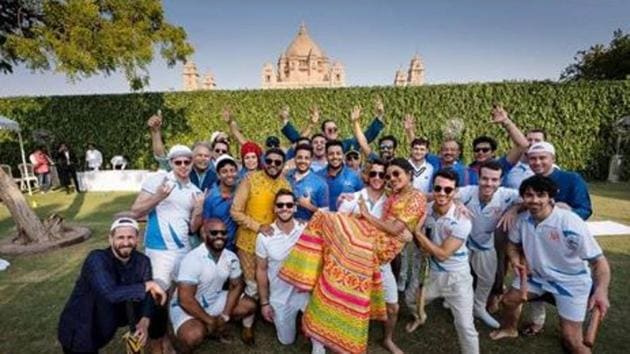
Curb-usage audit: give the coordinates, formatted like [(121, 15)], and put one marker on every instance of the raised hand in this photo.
[(226, 115), (198, 200), (379, 108), (355, 114), (499, 115), (314, 111), (155, 122), (165, 189), (284, 114)]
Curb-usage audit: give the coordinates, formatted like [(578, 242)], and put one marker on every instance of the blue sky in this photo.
[(459, 41)]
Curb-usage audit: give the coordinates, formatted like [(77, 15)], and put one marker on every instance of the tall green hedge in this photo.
[(578, 116)]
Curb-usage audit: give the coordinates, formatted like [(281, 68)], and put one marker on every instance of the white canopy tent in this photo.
[(8, 124)]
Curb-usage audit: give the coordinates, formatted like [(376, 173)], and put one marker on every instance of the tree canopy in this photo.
[(602, 63), (81, 38)]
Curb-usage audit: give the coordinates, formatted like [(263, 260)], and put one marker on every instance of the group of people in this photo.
[(335, 230)]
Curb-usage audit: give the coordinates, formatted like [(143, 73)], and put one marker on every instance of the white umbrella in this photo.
[(8, 124)]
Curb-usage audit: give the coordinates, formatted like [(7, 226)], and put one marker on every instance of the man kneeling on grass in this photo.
[(550, 246), (112, 291), (200, 306)]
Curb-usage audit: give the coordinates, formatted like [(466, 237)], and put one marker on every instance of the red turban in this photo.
[(251, 147)]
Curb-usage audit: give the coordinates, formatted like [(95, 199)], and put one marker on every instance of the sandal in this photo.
[(532, 330)]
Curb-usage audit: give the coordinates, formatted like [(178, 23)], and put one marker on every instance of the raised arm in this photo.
[(410, 127), (312, 122), (520, 143), (155, 125), (288, 129), (378, 123), (228, 118), (146, 201), (355, 118)]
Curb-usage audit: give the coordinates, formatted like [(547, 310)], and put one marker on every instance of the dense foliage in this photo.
[(601, 62), (577, 116)]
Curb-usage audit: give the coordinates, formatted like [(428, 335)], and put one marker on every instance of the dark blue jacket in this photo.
[(371, 133), (573, 190)]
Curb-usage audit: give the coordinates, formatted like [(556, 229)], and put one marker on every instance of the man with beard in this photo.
[(252, 209), (201, 307), (331, 132), (174, 206), (310, 190), (550, 247), (445, 241), (219, 198), (487, 202), (280, 302), (111, 281), (339, 178)]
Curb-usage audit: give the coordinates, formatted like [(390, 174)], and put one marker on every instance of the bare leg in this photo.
[(572, 336), (512, 306), (190, 335), (390, 325)]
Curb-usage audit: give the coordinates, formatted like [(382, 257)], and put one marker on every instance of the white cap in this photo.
[(542, 146), (215, 135), (223, 157), (124, 222), (178, 151)]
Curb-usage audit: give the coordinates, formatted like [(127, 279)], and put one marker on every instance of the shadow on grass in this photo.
[(620, 191)]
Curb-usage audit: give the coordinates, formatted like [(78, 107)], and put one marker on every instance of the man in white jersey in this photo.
[(552, 246), (487, 202), (445, 241), (174, 206), (521, 170), (280, 302), (200, 306)]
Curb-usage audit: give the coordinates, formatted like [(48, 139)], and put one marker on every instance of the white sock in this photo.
[(318, 348), (248, 321)]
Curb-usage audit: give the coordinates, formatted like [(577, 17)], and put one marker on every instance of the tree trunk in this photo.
[(30, 228)]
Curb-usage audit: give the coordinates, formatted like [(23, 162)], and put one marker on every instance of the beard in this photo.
[(213, 244), (124, 252)]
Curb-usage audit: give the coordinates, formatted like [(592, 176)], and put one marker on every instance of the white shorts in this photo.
[(178, 316), (390, 289), (165, 265), (570, 307)]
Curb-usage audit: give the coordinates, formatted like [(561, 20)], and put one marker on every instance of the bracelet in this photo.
[(225, 317), (264, 304)]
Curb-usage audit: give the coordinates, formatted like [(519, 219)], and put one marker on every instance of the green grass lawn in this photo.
[(34, 288)]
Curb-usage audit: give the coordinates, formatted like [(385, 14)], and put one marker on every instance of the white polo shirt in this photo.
[(422, 176), (168, 223), (439, 228), (557, 249), (352, 206), (486, 216), (275, 249), (517, 175), (199, 268)]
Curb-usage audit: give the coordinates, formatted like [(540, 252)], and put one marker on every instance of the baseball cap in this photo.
[(124, 222), (178, 151), (542, 146), (272, 142)]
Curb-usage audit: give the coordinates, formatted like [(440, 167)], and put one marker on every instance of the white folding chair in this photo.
[(7, 169), (27, 174)]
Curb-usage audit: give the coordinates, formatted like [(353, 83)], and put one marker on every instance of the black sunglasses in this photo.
[(274, 162), (288, 205), (181, 162), (352, 157), (482, 149), (331, 130), (220, 151), (217, 232), (394, 174), (373, 174), (447, 190), (387, 147)]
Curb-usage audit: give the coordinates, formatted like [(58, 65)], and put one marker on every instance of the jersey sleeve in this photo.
[(261, 250), (465, 194), (587, 246), (460, 229), (151, 184), (189, 271)]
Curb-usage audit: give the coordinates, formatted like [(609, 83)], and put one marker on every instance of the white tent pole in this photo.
[(25, 170)]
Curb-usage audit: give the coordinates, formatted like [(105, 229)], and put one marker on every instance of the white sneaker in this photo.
[(486, 318), (446, 305)]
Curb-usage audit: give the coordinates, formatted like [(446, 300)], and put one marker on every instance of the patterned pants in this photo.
[(248, 264)]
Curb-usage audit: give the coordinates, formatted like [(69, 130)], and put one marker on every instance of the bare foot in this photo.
[(493, 303), (392, 347), (503, 333), (417, 322)]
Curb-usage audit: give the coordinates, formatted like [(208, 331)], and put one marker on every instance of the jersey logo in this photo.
[(554, 236)]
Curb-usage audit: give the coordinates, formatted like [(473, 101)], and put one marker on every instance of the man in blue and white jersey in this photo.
[(201, 307), (445, 241), (552, 247), (487, 202)]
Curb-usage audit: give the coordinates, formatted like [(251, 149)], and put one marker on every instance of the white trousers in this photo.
[(484, 264), (456, 289)]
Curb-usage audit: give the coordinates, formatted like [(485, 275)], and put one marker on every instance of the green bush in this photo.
[(576, 116)]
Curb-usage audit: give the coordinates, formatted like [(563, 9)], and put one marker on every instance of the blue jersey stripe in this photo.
[(176, 239), (153, 235)]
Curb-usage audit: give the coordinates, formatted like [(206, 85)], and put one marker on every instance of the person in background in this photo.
[(119, 162), (41, 167), (251, 155), (353, 160), (339, 178), (93, 158), (66, 162)]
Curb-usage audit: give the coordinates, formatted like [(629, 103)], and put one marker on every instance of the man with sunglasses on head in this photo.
[(112, 281), (339, 178), (201, 307), (443, 236), (252, 209), (280, 301), (310, 190), (487, 202), (331, 132)]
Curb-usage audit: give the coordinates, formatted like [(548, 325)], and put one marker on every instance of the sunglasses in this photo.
[(217, 232), (181, 162), (352, 157), (273, 162), (373, 174), (220, 151), (387, 147), (394, 174), (331, 130), (288, 205), (483, 149), (447, 190)]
